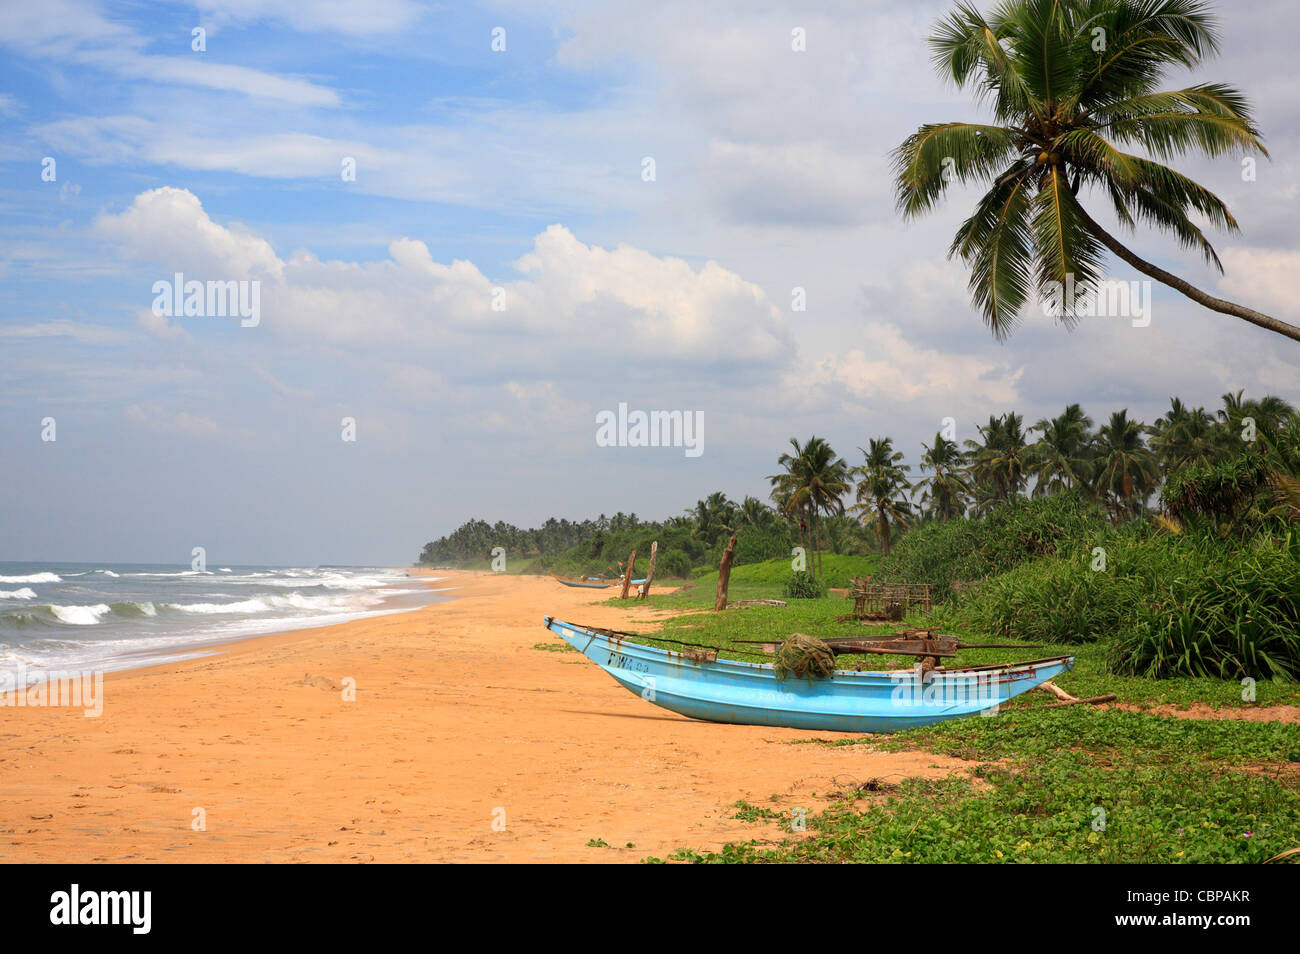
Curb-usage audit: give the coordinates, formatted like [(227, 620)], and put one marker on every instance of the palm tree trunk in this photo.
[(1192, 292), (884, 533), (816, 540)]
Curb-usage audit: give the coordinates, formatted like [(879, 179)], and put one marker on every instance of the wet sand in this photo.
[(462, 743)]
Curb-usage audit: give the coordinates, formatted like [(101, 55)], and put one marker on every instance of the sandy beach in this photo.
[(457, 723)]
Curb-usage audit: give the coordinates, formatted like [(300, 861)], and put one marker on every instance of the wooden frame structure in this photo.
[(889, 600)]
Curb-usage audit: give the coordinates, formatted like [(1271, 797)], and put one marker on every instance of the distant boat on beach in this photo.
[(592, 582)]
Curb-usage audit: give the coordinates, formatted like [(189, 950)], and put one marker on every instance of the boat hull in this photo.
[(591, 584), (585, 584), (742, 693)]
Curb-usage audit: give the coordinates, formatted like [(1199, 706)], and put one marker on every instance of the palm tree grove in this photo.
[(1019, 509)]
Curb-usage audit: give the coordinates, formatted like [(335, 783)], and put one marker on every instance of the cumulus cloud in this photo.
[(889, 368), (572, 294), (169, 226)]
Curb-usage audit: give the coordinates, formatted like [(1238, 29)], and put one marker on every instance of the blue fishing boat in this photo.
[(592, 582), (696, 683)]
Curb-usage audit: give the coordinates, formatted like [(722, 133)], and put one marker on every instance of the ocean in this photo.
[(105, 616)]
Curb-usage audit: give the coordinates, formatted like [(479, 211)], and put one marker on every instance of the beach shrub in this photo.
[(674, 563), (1222, 494), (946, 551), (1192, 604), (757, 544), (1233, 614), (803, 585)]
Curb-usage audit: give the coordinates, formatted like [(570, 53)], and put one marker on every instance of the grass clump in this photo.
[(802, 585)]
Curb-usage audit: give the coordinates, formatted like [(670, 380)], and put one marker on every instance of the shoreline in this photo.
[(461, 742), (199, 645)]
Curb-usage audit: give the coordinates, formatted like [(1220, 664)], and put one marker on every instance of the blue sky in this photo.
[(520, 170)]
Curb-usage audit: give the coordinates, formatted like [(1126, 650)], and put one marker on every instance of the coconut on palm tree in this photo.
[(1072, 85), (882, 494)]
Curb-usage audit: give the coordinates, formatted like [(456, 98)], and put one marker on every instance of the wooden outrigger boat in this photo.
[(592, 582), (698, 684)]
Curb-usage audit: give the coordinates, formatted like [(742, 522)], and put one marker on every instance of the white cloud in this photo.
[(160, 326), (573, 296), (83, 332), (169, 226), (317, 16), (1267, 280), (164, 420), (77, 31), (890, 369)]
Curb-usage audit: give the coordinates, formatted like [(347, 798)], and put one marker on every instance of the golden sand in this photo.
[(463, 743)]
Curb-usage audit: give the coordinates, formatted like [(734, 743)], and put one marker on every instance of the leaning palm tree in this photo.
[(944, 493), (882, 495), (1072, 84), (814, 481)]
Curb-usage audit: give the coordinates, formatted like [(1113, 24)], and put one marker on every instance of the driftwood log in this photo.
[(1069, 700)]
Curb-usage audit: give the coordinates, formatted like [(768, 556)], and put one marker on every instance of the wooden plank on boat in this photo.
[(848, 645)]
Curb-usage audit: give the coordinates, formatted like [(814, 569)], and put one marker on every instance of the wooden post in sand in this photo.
[(650, 573), (724, 574), (627, 577)]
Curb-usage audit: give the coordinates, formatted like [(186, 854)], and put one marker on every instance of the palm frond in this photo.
[(934, 155), (1067, 250)]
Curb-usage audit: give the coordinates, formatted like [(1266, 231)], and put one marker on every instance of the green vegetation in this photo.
[(1069, 785), (1092, 674), (803, 585), (1172, 790), (943, 552), (1046, 813)]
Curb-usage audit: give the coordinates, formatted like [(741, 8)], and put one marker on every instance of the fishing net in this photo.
[(802, 655)]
